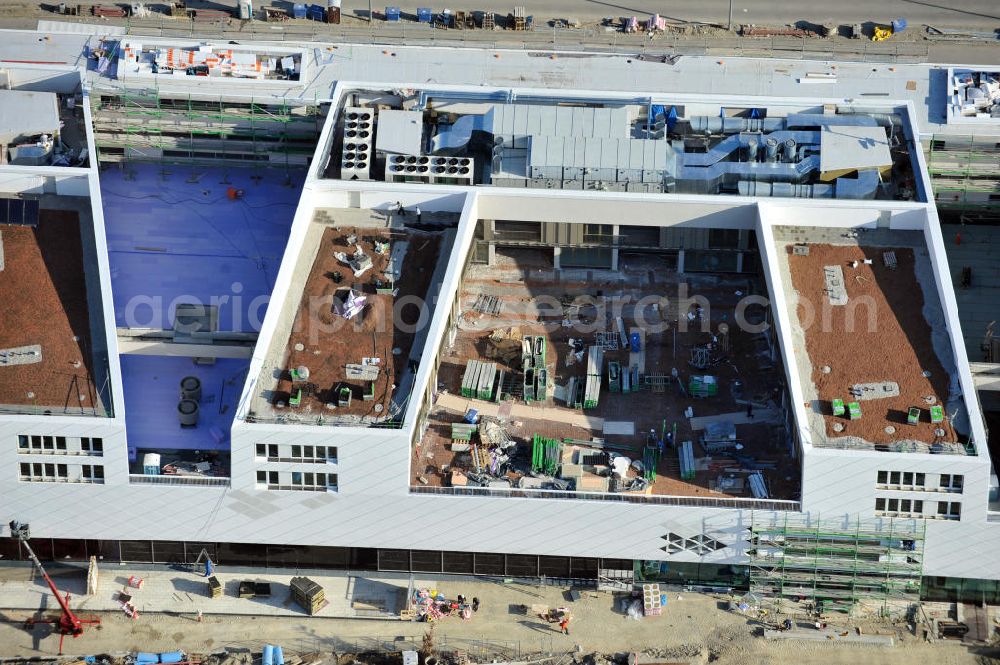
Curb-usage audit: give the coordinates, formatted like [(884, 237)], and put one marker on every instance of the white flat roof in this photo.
[(26, 113), (400, 132), (853, 148)]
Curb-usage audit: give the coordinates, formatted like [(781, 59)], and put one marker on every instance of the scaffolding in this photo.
[(145, 125), (836, 564), (965, 172)]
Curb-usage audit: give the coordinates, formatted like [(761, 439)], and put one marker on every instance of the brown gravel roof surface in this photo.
[(897, 348), (374, 334), (45, 302)]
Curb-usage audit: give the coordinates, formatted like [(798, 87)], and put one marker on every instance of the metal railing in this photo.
[(35, 410), (645, 499), (188, 481)]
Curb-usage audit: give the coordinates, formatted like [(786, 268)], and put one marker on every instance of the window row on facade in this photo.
[(297, 480), (918, 508), (282, 452), (919, 482), (50, 472), (44, 444)]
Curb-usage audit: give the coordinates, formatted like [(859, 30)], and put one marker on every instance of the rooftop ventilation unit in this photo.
[(424, 168), (359, 137)]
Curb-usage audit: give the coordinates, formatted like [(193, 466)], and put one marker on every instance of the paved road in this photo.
[(979, 14)]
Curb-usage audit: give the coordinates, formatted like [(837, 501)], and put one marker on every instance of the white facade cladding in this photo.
[(365, 499)]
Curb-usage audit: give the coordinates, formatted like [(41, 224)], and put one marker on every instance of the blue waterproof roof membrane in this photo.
[(193, 235)]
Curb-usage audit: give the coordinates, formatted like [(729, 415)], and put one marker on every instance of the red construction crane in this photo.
[(68, 623)]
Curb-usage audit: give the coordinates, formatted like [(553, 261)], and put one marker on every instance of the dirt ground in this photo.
[(46, 303), (694, 628), (648, 409), (898, 348), (331, 342)]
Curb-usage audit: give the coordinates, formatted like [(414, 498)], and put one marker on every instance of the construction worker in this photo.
[(564, 625)]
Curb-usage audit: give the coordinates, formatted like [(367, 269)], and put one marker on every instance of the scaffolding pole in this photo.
[(836, 564)]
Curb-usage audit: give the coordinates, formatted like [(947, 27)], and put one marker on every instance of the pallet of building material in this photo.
[(570, 394), (518, 20), (202, 15), (889, 259), (504, 344), (545, 455), (498, 386), (487, 375), (107, 11), (614, 377), (581, 388), (462, 431), (595, 361), (719, 430), (626, 379), (703, 386), (718, 446), (937, 414), (651, 596), (685, 455), (757, 485), (592, 392), (489, 21), (486, 304), (634, 379), (356, 372), (308, 594), (541, 384), (538, 352), (527, 352), (470, 380), (528, 385), (620, 327)]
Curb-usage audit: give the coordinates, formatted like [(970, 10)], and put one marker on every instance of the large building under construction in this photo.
[(585, 318)]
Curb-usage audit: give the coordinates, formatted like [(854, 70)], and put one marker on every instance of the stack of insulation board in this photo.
[(478, 379), (595, 361), (651, 600), (308, 594), (685, 455)]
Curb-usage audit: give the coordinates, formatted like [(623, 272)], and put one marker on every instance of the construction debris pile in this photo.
[(432, 605), (975, 95), (206, 60)]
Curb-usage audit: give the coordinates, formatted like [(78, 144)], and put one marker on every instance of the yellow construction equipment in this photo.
[(881, 34)]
